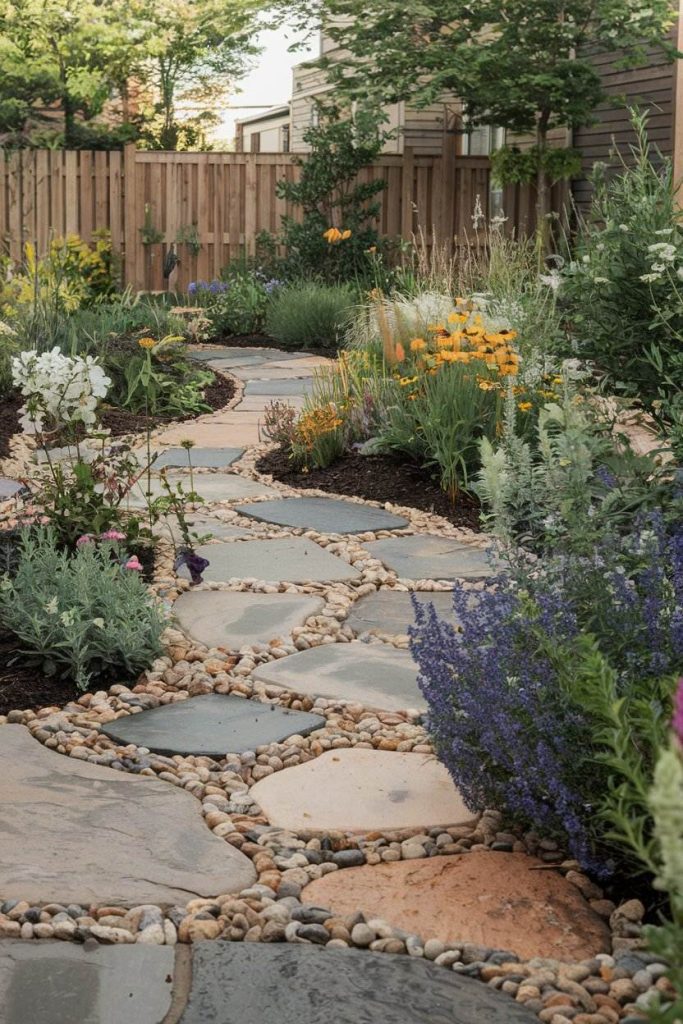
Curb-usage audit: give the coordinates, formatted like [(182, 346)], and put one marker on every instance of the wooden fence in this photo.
[(217, 202)]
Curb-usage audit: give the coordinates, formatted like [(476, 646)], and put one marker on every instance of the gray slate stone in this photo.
[(376, 675), (325, 515), (104, 836), (204, 458), (426, 557), (237, 355), (61, 983), (209, 486), (288, 387), (211, 725), (285, 560), (257, 983), (390, 612), (9, 488), (200, 526), (233, 619)]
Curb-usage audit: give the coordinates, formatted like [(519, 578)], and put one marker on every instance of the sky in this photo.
[(269, 84)]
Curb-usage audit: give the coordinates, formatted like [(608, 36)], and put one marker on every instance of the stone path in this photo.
[(181, 808)]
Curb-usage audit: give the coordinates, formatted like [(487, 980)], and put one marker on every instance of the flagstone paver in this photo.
[(75, 832), (211, 487), (9, 488), (376, 675), (62, 983), (199, 525), (296, 984), (233, 620), (499, 900), (428, 557), (285, 560), (211, 725), (232, 429), (390, 612), (279, 388), (325, 515), (237, 352), (205, 458), (359, 790)]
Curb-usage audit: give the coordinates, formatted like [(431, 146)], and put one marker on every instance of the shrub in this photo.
[(550, 700), (309, 315), (83, 616)]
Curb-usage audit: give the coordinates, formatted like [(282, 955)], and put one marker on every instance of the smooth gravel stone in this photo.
[(62, 983), (211, 725), (326, 515), (199, 458), (9, 488), (287, 387), (356, 789), (286, 560), (228, 619), (209, 486), (105, 837), (299, 984), (376, 675), (390, 612), (427, 557)]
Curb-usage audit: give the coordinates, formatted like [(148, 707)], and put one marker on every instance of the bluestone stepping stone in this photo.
[(239, 354), (376, 675), (258, 983), (199, 525), (9, 488), (106, 837), (222, 618), (325, 515), (278, 388), (61, 983), (211, 725), (285, 560), (359, 790), (204, 458), (390, 612), (210, 487), (427, 557)]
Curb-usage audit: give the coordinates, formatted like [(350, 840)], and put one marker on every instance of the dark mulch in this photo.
[(9, 422), (23, 687), (377, 478), (263, 341), (121, 421)]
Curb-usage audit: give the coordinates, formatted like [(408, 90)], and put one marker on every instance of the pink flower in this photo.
[(112, 535), (677, 720), (87, 538), (133, 564)]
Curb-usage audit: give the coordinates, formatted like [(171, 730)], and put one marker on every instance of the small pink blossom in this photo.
[(87, 538), (112, 535), (133, 563)]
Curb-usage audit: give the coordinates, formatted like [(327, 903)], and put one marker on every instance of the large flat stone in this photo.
[(325, 515), (257, 983), (210, 487), (426, 557), (390, 612), (212, 725), (238, 354), (231, 428), (200, 458), (359, 790), (492, 899), (9, 488), (282, 388), (229, 619), (376, 675), (61, 983), (74, 832), (290, 560), (200, 526)]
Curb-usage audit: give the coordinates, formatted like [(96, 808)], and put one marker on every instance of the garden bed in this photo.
[(24, 687), (376, 478), (9, 422)]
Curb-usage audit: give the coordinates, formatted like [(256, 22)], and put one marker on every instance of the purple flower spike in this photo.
[(195, 565), (677, 720)]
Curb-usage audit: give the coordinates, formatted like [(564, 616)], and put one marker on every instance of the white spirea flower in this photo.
[(58, 388)]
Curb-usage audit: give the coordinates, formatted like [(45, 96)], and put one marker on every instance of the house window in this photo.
[(483, 140), (315, 115)]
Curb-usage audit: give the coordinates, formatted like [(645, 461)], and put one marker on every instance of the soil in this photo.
[(121, 421), (377, 478), (9, 422), (23, 687), (263, 341)]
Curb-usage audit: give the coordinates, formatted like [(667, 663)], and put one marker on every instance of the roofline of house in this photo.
[(267, 115)]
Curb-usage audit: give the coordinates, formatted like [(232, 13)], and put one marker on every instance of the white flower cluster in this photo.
[(58, 388), (663, 256)]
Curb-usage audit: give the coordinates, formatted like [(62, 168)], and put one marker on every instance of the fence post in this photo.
[(407, 186), (130, 270)]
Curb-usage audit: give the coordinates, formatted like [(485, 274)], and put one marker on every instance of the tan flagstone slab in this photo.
[(490, 898), (359, 790), (105, 837), (225, 618), (211, 487), (237, 431)]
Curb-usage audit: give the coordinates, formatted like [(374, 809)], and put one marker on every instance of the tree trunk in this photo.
[(69, 121), (542, 188)]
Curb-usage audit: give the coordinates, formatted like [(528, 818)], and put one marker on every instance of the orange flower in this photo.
[(418, 345), (457, 318), (332, 235), (146, 342), (400, 352), (345, 234), (444, 341), (525, 406)]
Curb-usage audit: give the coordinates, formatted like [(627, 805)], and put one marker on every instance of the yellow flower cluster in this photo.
[(334, 235), (316, 423), (146, 342)]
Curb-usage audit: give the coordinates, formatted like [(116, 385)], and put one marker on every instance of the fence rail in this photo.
[(216, 202)]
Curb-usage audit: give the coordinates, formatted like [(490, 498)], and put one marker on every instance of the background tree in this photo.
[(518, 64)]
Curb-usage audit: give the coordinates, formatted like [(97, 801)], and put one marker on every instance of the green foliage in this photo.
[(510, 165), (309, 315), (624, 290), (82, 616), (8, 349), (156, 381), (329, 196), (240, 310)]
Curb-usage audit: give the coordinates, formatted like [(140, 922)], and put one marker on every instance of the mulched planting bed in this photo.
[(24, 687), (9, 422), (376, 478), (121, 421)]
